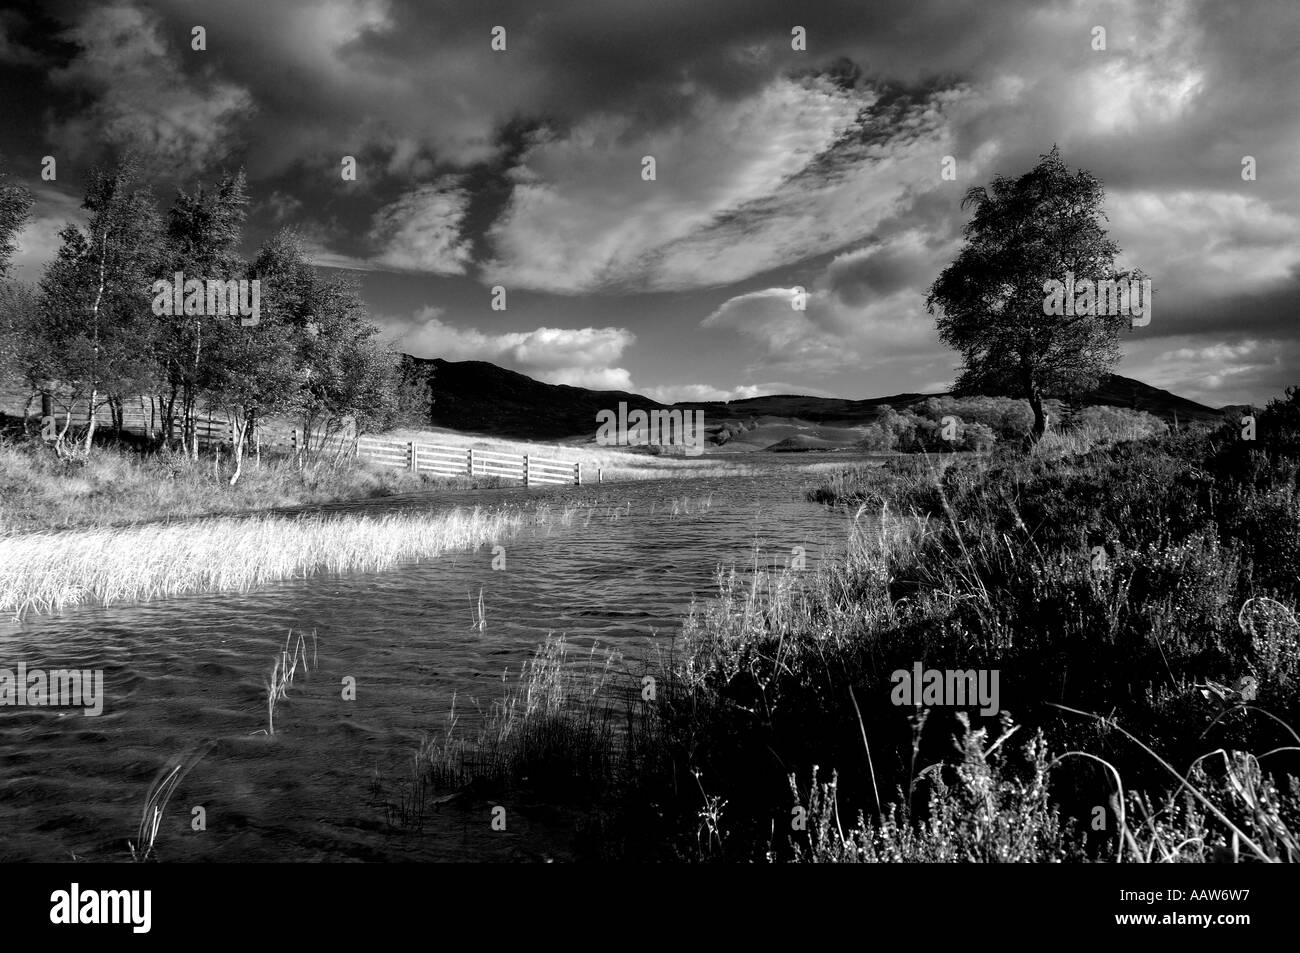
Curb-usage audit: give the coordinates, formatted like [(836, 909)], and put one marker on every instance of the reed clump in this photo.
[(48, 571)]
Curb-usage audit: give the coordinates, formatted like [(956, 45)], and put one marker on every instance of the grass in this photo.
[(283, 671), (116, 486), (164, 785), (47, 571), (1147, 693)]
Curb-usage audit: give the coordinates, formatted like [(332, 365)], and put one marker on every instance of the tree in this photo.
[(17, 310), (415, 394), (1024, 233), (15, 208), (351, 378), (204, 230), (97, 337), (261, 371), (21, 352)]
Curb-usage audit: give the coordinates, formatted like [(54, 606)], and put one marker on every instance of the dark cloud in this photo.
[(820, 167)]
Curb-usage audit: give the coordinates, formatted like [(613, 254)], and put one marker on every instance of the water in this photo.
[(188, 673)]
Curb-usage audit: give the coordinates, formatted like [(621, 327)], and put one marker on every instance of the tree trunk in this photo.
[(1040, 417), (239, 433), (169, 418), (90, 426)]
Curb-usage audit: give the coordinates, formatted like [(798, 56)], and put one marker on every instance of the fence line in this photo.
[(468, 461), (434, 458)]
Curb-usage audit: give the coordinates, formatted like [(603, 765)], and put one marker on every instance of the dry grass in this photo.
[(116, 487), (47, 571), (615, 464)]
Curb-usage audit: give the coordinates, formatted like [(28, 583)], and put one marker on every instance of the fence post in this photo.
[(577, 469), (415, 464), (525, 469), (600, 478), (471, 461)]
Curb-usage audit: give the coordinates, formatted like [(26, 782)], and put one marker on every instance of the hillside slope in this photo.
[(480, 397)]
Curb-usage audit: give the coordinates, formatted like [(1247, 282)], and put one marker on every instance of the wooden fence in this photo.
[(428, 457), (467, 461), (210, 429)]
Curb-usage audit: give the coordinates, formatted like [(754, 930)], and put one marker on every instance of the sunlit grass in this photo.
[(47, 571), (116, 487)]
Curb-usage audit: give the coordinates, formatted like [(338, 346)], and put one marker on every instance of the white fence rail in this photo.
[(467, 461), (427, 457)]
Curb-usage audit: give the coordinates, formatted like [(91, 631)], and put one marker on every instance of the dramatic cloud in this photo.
[(774, 167), (741, 187), (581, 357), (140, 97), (421, 231)]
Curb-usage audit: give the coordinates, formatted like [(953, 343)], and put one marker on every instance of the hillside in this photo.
[(480, 397)]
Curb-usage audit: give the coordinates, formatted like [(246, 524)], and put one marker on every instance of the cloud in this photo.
[(742, 187), (1206, 250), (1217, 372), (421, 231), (12, 51), (39, 241), (832, 333), (140, 98), (580, 357), (692, 393)]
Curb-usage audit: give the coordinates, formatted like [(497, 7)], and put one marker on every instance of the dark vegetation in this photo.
[(1148, 588)]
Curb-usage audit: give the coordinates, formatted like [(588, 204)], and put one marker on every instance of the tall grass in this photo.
[(111, 486), (47, 571), (558, 706), (164, 785), (283, 671), (1152, 582)]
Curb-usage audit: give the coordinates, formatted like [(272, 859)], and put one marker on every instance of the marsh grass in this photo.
[(571, 728), (164, 785), (48, 571), (559, 706), (283, 671)]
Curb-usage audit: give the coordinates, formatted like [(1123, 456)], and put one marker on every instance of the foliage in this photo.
[(1025, 232)]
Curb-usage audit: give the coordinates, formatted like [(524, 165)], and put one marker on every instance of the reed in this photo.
[(558, 726), (48, 571), (164, 785), (283, 671)]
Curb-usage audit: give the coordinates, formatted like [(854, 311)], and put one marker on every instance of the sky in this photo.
[(775, 168)]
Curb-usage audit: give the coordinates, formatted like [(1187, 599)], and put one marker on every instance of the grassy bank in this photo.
[(121, 484), (1137, 601), (117, 486), (46, 571)]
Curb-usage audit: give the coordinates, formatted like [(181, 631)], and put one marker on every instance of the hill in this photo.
[(480, 397)]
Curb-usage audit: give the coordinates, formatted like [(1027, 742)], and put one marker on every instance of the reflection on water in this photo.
[(191, 670)]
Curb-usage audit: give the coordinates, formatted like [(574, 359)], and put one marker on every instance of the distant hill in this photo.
[(481, 397)]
